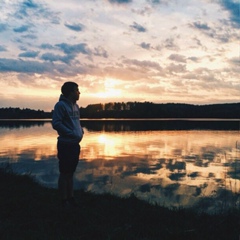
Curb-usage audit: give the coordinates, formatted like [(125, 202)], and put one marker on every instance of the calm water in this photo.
[(172, 163)]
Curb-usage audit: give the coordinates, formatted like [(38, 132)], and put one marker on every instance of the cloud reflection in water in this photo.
[(168, 167)]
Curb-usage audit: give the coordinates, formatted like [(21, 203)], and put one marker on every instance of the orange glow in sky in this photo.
[(119, 51)]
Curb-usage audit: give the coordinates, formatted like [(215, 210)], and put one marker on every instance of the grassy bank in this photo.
[(30, 211)]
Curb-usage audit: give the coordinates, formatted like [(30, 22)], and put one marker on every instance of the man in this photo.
[(66, 121)]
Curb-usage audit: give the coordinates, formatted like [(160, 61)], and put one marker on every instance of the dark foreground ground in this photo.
[(30, 211)]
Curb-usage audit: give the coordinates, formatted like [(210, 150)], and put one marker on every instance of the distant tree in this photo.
[(136, 110)]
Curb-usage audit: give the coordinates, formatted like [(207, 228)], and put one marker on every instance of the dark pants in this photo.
[(68, 155)]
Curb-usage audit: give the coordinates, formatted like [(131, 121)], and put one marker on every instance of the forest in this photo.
[(136, 110), (26, 113), (163, 110)]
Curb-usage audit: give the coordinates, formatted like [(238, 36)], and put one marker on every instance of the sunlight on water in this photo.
[(168, 167), (37, 143)]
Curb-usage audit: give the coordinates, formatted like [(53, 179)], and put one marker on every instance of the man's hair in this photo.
[(67, 88)]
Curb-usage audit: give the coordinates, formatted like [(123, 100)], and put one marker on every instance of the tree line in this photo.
[(136, 110), (26, 113), (162, 110)]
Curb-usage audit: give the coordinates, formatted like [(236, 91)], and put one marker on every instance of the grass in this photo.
[(31, 211)]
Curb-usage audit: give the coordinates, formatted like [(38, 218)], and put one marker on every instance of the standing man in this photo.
[(66, 121)]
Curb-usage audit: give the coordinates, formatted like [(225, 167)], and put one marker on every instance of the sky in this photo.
[(160, 51)]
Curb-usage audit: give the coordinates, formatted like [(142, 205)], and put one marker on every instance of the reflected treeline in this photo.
[(135, 124), (234, 169), (145, 125), (20, 124)]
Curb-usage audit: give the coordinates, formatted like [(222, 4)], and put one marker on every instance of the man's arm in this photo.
[(57, 121)]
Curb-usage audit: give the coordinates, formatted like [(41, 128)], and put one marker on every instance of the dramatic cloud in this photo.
[(121, 50)]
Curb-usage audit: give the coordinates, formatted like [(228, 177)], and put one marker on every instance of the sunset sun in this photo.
[(110, 89)]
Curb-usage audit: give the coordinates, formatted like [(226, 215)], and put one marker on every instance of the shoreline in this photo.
[(31, 211)]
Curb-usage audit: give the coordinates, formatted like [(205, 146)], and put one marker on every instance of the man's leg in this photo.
[(68, 159), (62, 187), (70, 191), (65, 185), (70, 186)]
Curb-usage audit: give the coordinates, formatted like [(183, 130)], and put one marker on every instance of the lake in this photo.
[(174, 163)]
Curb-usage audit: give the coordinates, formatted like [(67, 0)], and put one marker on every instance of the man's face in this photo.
[(75, 94)]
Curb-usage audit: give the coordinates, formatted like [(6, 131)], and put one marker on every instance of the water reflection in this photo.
[(20, 123), (160, 124), (183, 167)]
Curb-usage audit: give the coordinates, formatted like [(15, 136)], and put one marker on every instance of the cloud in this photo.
[(30, 4), (148, 44), (235, 61), (3, 27), (158, 1), (194, 59), (75, 27), (25, 7), (35, 11), (30, 36), (221, 32), (169, 43), (154, 1), (20, 66), (143, 64), (137, 27), (201, 26), (74, 48), (2, 49), (176, 68), (145, 45), (48, 68), (198, 41), (233, 8), (21, 29), (120, 1), (29, 54), (100, 51), (46, 46), (70, 51), (146, 11), (177, 58), (54, 58)]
